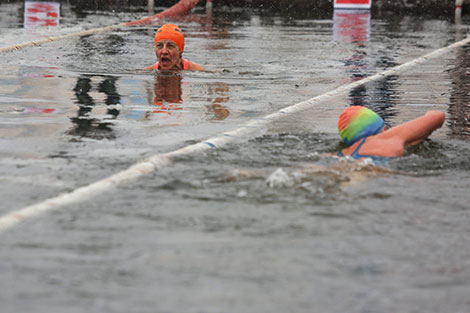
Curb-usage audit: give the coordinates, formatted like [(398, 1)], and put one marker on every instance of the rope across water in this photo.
[(181, 8)]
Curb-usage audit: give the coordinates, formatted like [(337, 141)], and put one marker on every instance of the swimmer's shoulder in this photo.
[(194, 66), (383, 146), (191, 66), (152, 67)]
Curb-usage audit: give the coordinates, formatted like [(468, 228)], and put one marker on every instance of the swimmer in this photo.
[(368, 141), (365, 135), (169, 47)]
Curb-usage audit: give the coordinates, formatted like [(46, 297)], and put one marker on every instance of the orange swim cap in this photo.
[(170, 32)]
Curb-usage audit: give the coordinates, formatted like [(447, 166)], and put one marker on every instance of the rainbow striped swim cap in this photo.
[(357, 122)]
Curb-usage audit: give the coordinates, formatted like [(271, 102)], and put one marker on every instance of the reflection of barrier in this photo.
[(351, 26), (40, 14), (352, 4)]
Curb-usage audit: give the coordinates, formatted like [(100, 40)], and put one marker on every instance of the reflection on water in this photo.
[(216, 110), (94, 93), (459, 106), (385, 96), (168, 96), (353, 28), (167, 93), (93, 127)]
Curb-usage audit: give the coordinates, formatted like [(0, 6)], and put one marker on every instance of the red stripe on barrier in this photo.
[(352, 1), (181, 8)]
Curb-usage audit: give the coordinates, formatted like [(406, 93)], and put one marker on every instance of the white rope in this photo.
[(158, 161), (55, 38), (182, 7)]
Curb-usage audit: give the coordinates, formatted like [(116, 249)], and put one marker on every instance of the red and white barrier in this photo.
[(181, 8), (352, 4), (40, 14)]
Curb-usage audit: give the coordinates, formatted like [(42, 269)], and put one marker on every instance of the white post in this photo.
[(208, 5), (458, 19), (151, 7), (209, 8)]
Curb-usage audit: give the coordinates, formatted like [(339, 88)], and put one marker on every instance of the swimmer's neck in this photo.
[(352, 148)]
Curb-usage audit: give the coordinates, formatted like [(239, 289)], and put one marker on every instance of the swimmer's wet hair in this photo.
[(357, 122)]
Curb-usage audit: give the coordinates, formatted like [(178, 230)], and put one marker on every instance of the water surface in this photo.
[(194, 237)]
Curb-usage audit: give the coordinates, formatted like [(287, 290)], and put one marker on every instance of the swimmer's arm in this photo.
[(417, 130)]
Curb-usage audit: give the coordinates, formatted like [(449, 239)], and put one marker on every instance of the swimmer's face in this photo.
[(168, 55)]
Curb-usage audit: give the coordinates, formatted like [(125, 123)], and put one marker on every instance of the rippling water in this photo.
[(263, 225)]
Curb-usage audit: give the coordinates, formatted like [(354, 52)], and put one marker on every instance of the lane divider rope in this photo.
[(156, 162), (181, 8)]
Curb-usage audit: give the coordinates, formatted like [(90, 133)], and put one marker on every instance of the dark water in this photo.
[(303, 233)]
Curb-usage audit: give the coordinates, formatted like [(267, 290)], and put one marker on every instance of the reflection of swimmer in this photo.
[(169, 47), (366, 136), (217, 109), (168, 95)]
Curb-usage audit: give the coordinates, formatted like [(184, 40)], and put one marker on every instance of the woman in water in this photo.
[(169, 47)]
